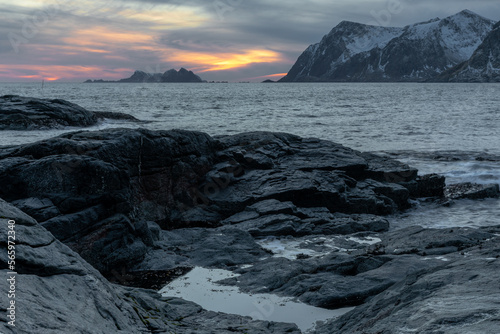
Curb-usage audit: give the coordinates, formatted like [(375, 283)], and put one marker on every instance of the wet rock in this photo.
[(471, 191), (431, 185), (307, 172), (387, 170), (142, 206), (296, 153), (417, 240), (209, 248), (115, 115), (45, 267), (352, 272), (458, 297), (275, 218), (174, 315), (28, 113), (58, 291), (41, 209), (94, 190)]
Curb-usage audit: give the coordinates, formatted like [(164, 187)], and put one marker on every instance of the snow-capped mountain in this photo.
[(483, 66), (358, 52)]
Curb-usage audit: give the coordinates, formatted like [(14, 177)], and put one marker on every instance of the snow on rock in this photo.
[(483, 66), (358, 52)]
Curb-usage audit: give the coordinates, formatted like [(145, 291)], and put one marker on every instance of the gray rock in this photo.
[(115, 115), (102, 185), (40, 209), (146, 206), (275, 218), (461, 296), (431, 185), (58, 292), (349, 277), (209, 248), (25, 113), (28, 113), (174, 315), (471, 191)]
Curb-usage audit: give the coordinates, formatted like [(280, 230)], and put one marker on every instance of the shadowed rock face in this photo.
[(92, 189), (95, 191)]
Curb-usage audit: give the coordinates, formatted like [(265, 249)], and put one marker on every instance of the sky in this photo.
[(230, 40)]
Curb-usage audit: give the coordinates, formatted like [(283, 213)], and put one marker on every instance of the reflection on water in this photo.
[(200, 286)]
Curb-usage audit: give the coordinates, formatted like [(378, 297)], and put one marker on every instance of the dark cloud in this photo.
[(228, 26)]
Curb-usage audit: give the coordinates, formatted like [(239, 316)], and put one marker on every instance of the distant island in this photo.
[(172, 75)]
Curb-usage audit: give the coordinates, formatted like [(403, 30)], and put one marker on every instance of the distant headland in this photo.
[(172, 75)]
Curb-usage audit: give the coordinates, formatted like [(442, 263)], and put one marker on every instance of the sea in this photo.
[(448, 129)]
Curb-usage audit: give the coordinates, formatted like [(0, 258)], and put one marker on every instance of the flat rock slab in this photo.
[(355, 270), (459, 297)]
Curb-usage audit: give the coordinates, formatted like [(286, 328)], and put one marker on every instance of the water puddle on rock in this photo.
[(314, 246), (200, 286)]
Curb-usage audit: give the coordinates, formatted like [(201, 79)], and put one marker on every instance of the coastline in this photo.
[(302, 218)]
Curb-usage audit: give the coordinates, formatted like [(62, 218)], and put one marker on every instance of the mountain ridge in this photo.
[(358, 52), (483, 66)]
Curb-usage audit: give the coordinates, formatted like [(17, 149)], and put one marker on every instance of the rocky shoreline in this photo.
[(103, 217)]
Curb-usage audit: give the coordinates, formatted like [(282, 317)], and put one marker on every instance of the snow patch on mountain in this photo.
[(372, 37), (459, 34), (358, 52)]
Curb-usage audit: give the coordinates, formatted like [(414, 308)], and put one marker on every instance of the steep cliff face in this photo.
[(483, 66), (357, 52)]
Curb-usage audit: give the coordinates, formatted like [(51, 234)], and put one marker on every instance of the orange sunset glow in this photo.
[(217, 62), (93, 40)]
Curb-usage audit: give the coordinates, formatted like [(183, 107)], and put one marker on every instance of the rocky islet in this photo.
[(28, 113)]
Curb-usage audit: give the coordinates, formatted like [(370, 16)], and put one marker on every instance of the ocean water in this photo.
[(450, 129)]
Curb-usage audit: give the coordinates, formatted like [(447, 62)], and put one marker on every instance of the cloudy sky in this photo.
[(234, 40)]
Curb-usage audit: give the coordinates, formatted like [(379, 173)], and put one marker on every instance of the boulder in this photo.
[(431, 185), (471, 191), (94, 190)]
